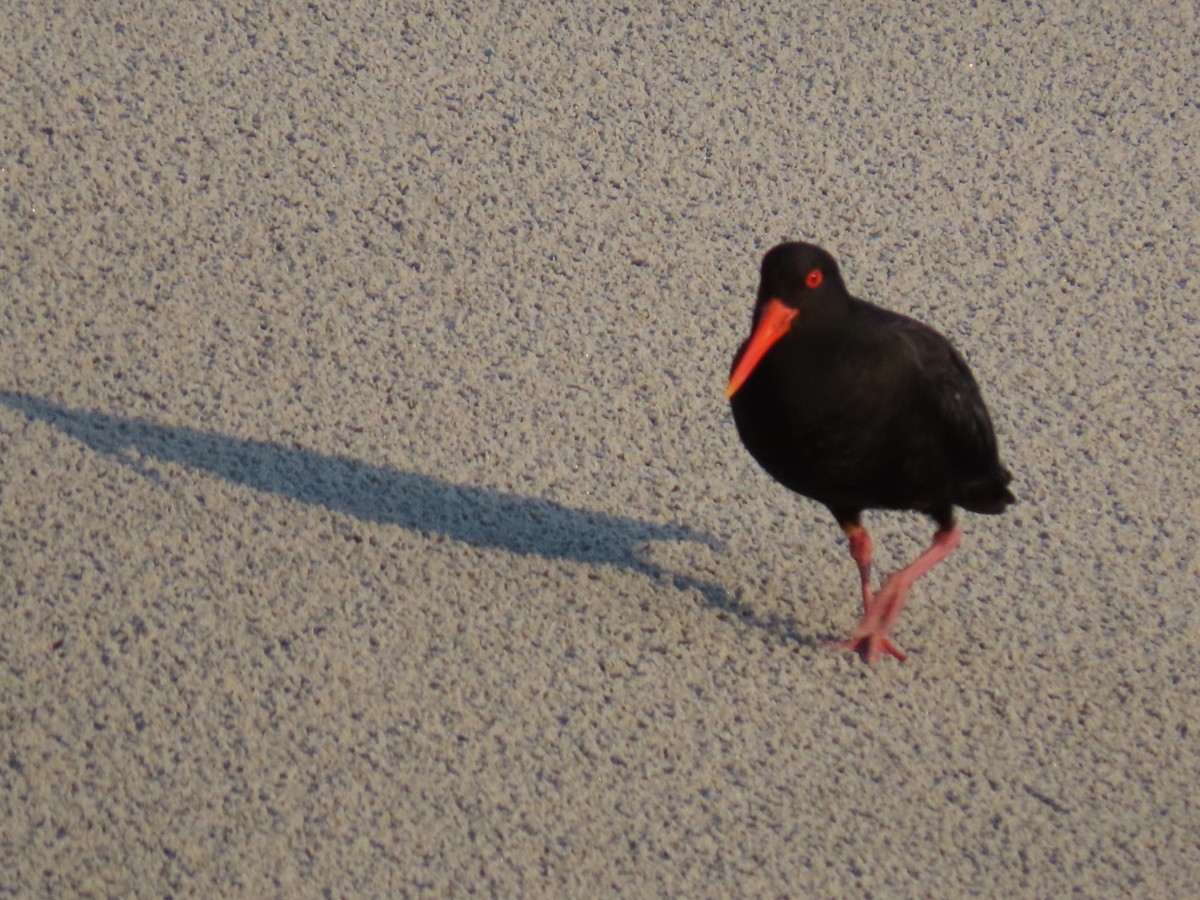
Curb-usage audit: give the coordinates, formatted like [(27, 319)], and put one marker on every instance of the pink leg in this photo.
[(860, 550), (870, 638)]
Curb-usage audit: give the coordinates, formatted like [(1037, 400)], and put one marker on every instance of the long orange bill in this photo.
[(775, 321)]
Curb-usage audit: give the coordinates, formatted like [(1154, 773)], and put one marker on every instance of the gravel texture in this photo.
[(372, 521)]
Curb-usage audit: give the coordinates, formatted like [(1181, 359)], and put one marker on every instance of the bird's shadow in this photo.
[(481, 517)]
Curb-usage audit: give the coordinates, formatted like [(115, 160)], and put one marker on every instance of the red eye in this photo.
[(814, 278)]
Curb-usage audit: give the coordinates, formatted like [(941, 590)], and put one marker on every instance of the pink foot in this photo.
[(869, 647), (870, 638)]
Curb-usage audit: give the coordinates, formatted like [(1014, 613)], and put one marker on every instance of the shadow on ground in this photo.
[(479, 516)]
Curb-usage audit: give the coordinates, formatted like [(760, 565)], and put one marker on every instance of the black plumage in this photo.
[(860, 408)]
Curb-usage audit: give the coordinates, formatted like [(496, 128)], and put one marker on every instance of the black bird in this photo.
[(860, 408)]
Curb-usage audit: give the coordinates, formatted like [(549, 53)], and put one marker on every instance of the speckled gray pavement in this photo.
[(372, 522)]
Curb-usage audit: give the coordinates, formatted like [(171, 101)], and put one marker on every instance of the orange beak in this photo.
[(775, 321)]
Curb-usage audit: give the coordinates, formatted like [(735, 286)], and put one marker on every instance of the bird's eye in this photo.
[(814, 278)]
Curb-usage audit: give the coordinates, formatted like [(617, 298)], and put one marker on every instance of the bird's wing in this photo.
[(952, 395)]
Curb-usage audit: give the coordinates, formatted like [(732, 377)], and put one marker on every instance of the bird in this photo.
[(860, 408)]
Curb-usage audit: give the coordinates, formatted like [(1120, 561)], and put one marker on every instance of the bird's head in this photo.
[(795, 277)]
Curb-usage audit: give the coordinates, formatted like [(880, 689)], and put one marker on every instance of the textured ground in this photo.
[(372, 521)]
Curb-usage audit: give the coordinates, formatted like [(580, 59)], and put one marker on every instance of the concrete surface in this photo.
[(372, 522)]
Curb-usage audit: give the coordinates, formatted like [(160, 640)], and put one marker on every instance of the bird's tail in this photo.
[(989, 494)]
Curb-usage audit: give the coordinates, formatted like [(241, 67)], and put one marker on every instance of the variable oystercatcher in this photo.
[(860, 408)]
